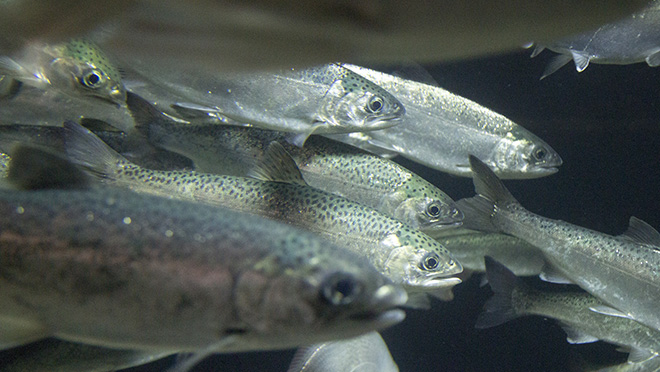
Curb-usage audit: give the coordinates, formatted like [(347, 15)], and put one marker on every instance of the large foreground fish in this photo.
[(403, 254), (633, 39), (574, 311), (113, 268), (321, 99), (440, 129), (622, 271), (366, 353), (324, 164)]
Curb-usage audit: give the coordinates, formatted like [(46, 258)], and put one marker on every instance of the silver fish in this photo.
[(436, 118), (470, 247), (113, 268), (403, 254), (321, 99), (325, 164), (78, 67), (633, 39), (62, 356), (577, 313), (622, 271), (366, 353)]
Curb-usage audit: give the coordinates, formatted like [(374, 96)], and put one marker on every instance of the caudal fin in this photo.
[(34, 168), (500, 308), (86, 150), (492, 194)]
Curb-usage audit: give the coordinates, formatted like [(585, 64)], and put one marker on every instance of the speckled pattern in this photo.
[(85, 51)]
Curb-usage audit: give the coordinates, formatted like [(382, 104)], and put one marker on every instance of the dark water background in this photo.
[(605, 123)]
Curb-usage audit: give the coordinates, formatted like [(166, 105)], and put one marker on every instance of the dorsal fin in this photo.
[(278, 166), (34, 168), (642, 232)]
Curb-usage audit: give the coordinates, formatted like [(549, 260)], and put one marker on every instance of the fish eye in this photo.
[(430, 261), (433, 210), (93, 79), (375, 105), (340, 289), (540, 154)]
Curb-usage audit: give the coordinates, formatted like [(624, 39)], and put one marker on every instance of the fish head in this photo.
[(417, 261), (90, 72), (357, 104), (313, 295), (523, 156), (429, 214)]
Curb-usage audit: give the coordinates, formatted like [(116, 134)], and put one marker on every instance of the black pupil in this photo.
[(434, 210), (93, 78), (376, 105), (431, 263), (540, 154), (341, 291)]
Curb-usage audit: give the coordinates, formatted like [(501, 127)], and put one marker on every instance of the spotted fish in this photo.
[(403, 254), (325, 164), (77, 67)]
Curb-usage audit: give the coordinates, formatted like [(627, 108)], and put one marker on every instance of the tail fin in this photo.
[(492, 194), (500, 308), (86, 150)]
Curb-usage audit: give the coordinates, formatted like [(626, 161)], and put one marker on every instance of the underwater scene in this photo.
[(326, 205)]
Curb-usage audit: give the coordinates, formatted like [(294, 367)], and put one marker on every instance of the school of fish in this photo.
[(173, 205)]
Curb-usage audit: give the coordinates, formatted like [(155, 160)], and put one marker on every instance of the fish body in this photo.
[(320, 99), (632, 39), (325, 164), (113, 268), (405, 255), (366, 353), (78, 67), (622, 271), (440, 129), (62, 356), (470, 247), (577, 312)]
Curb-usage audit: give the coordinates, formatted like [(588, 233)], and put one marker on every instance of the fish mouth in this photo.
[(381, 122), (383, 309), (435, 283)]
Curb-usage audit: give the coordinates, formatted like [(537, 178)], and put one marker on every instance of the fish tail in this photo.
[(480, 211), (86, 150), (500, 308)]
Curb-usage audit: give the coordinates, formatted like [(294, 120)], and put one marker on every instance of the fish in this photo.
[(403, 254), (320, 99), (470, 247), (650, 365), (366, 353), (573, 310), (622, 271), (112, 268), (62, 356), (632, 39), (135, 148), (256, 36), (324, 164), (435, 118), (77, 67)]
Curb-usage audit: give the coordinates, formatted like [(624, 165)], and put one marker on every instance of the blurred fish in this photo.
[(366, 353), (258, 34), (470, 247), (135, 148), (650, 365), (576, 312), (113, 268), (622, 271), (440, 129), (403, 254), (62, 356), (49, 106), (633, 39), (321, 99), (325, 164), (77, 67)]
